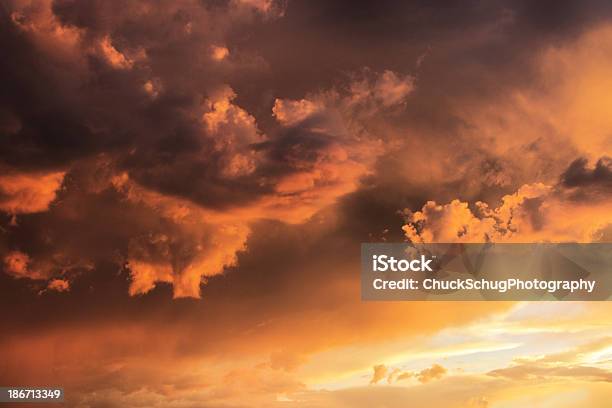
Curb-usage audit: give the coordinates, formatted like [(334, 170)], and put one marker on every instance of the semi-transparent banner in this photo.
[(486, 271)]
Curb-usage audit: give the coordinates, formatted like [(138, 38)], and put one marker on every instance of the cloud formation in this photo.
[(535, 213), (184, 187), (28, 193), (130, 126)]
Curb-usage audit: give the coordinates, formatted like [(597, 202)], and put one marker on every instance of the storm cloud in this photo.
[(206, 171)]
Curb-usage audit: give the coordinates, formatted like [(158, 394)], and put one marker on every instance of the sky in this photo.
[(184, 187)]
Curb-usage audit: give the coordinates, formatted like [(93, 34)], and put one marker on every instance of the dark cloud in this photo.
[(579, 174), (239, 151), (137, 119)]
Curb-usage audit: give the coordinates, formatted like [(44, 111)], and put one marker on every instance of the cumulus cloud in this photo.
[(131, 126), (309, 167), (455, 221), (233, 130), (535, 213)]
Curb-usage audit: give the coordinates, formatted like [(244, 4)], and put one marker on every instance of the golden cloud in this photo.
[(535, 213), (23, 193)]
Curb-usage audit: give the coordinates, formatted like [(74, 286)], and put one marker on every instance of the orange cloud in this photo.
[(17, 263), (146, 274), (289, 112), (56, 269), (218, 53), (550, 122), (114, 57), (435, 372), (535, 213), (59, 285), (23, 193), (340, 155), (197, 251), (234, 130), (380, 372), (37, 19)]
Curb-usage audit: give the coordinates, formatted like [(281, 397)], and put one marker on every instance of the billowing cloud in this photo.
[(237, 152), (317, 158), (192, 253), (535, 213), (129, 124), (24, 193)]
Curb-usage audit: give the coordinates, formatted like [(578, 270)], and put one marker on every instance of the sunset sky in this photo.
[(185, 185)]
